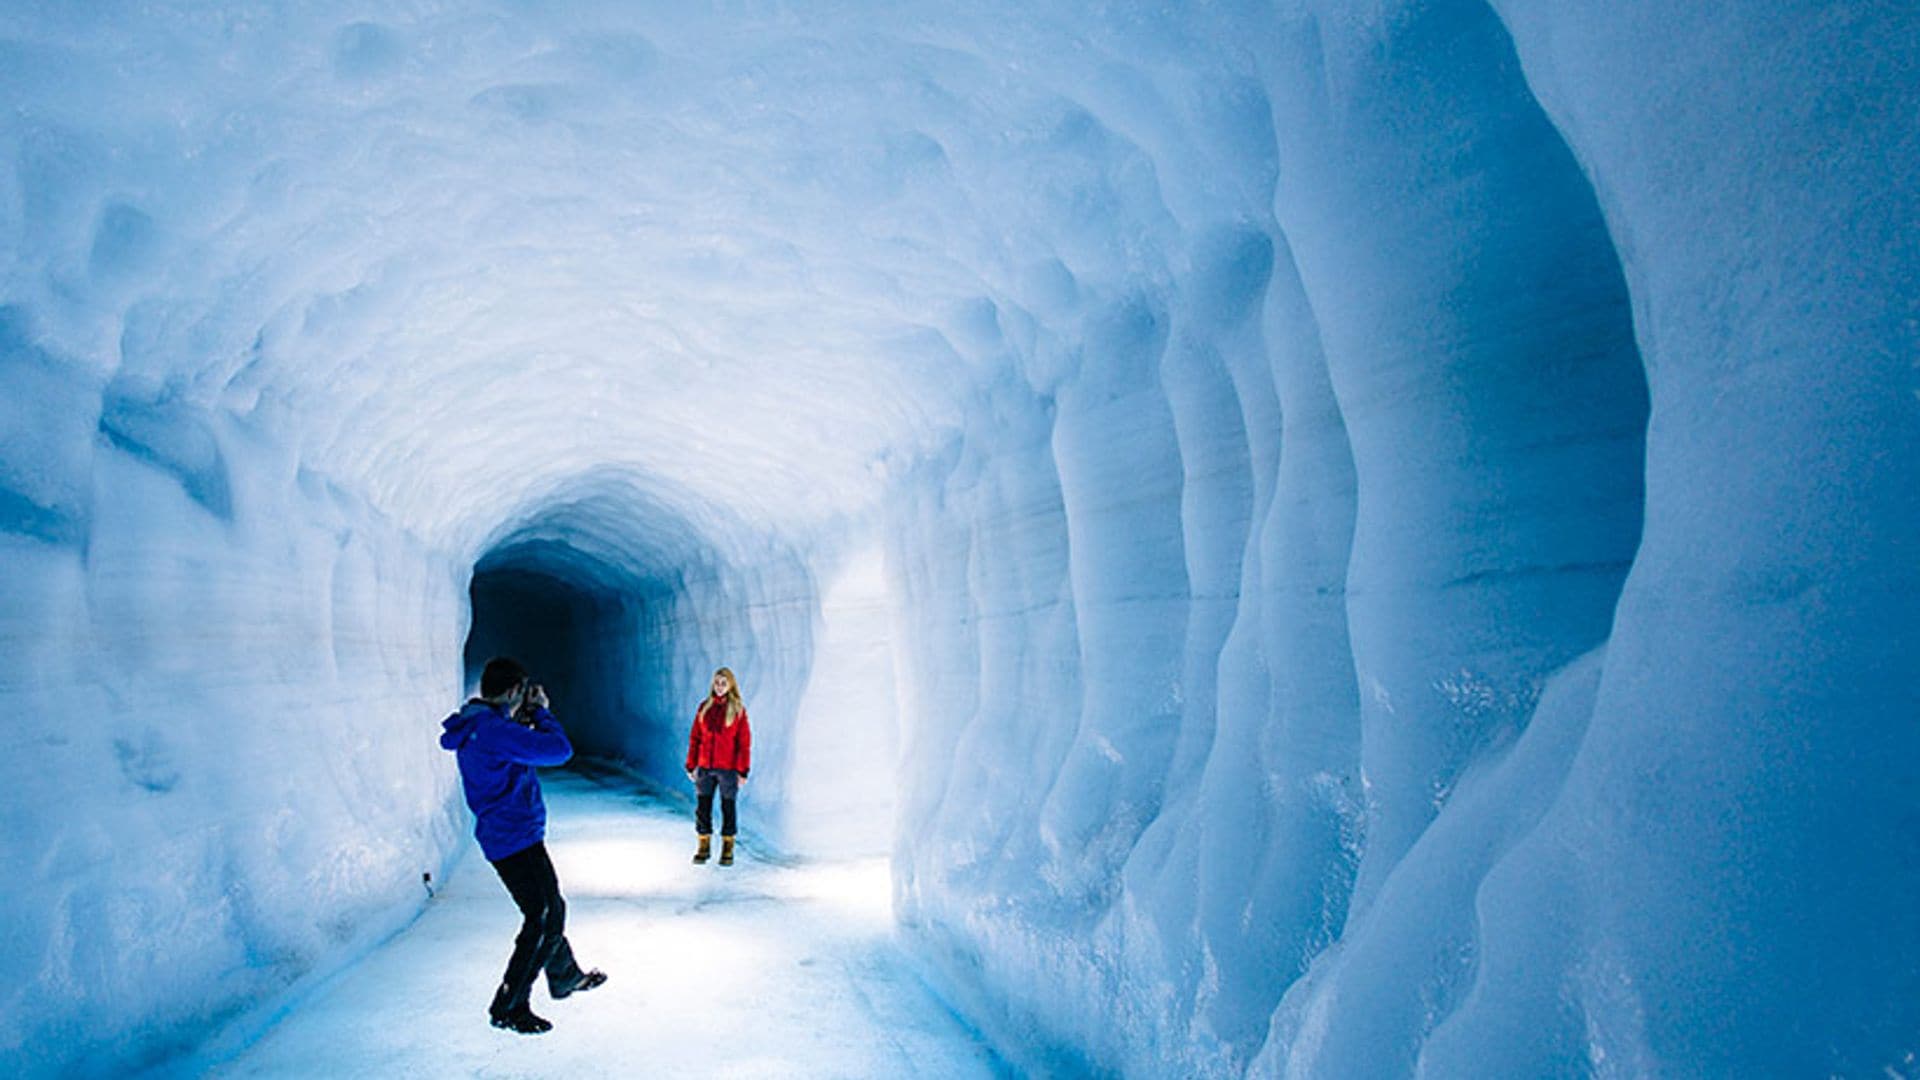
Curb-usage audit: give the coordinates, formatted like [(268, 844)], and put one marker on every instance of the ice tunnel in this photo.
[(1319, 538)]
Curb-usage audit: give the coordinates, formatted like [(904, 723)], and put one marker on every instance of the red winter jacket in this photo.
[(716, 744)]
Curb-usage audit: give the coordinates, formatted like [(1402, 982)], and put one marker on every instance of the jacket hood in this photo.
[(461, 724)]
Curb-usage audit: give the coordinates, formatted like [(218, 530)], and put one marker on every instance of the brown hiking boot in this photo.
[(706, 849), (726, 851)]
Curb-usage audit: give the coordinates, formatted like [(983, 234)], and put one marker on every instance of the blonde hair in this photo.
[(734, 705)]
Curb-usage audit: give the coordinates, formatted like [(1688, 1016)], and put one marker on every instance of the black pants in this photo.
[(706, 781), (542, 943)]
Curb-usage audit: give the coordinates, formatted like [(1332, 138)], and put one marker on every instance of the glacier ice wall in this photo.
[(1408, 752), (1331, 538), (210, 650)]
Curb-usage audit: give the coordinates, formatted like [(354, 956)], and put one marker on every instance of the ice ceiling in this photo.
[(753, 255)]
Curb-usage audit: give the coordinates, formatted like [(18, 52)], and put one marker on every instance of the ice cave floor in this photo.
[(761, 969)]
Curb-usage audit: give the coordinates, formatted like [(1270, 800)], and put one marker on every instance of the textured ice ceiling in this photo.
[(753, 254)]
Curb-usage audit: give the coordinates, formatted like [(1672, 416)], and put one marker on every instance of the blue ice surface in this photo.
[(1342, 540)]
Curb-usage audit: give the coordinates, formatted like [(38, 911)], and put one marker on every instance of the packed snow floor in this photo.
[(755, 970)]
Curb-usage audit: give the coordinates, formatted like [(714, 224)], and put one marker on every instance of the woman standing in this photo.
[(718, 755)]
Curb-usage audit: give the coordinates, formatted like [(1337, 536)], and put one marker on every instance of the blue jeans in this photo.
[(706, 782)]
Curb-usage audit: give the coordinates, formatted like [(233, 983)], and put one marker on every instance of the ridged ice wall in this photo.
[(1440, 622)]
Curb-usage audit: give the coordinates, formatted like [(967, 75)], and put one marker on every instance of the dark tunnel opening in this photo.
[(571, 627)]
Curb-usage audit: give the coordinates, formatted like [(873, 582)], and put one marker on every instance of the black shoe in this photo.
[(521, 1020), (581, 985)]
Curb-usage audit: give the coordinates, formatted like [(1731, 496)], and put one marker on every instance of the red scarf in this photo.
[(714, 713)]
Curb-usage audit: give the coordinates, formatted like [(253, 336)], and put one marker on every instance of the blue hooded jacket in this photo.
[(497, 756)]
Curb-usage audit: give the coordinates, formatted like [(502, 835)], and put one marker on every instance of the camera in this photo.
[(523, 712)]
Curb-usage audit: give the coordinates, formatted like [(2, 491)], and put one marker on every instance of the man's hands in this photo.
[(532, 696)]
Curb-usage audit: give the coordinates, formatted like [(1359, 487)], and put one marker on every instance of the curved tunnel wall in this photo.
[(221, 782), (1459, 392), (1376, 534), (1263, 669)]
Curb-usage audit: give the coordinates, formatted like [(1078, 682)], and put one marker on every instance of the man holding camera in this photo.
[(499, 738)]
